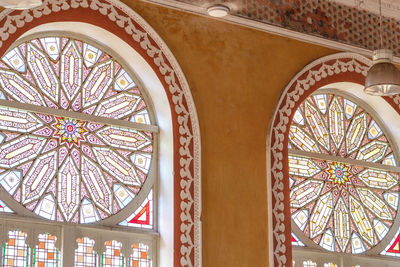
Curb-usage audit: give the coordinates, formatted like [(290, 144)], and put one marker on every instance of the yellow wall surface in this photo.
[(236, 76)]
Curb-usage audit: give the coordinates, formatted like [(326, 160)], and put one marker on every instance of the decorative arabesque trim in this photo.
[(183, 105), (323, 68)]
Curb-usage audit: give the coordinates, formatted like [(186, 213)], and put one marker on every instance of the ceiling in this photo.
[(349, 22)]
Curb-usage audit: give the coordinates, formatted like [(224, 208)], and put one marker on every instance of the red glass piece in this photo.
[(138, 219), (395, 247)]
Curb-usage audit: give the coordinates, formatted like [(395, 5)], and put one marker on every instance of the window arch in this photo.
[(78, 143), (178, 162), (336, 81)]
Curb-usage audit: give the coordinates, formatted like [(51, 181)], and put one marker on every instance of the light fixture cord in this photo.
[(380, 25)]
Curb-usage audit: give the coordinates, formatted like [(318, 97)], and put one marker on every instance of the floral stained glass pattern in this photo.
[(16, 252), (66, 168), (344, 197), (46, 253)]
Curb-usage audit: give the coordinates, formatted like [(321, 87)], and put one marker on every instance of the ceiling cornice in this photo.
[(352, 27)]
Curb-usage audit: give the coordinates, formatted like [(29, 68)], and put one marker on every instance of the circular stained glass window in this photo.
[(76, 140), (343, 177)]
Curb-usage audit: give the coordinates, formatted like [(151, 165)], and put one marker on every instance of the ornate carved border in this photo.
[(119, 19), (339, 67)]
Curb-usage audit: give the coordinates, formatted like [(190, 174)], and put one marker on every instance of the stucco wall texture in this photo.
[(236, 76)]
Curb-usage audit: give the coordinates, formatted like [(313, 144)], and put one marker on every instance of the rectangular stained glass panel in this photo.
[(16, 252), (112, 257), (140, 256), (46, 254), (85, 256)]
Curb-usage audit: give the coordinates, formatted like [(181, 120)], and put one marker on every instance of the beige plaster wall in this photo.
[(236, 76)]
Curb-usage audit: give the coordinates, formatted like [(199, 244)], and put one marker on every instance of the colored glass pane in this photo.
[(4, 208), (343, 196), (16, 252), (112, 257), (46, 254), (85, 256), (296, 241), (140, 256), (393, 249), (70, 168), (143, 216)]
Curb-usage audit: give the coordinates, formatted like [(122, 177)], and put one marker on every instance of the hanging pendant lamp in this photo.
[(20, 4), (383, 78)]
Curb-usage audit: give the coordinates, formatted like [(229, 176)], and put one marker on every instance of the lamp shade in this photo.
[(20, 4), (383, 78)]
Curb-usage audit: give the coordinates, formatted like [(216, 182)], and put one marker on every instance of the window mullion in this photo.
[(79, 116), (68, 245), (323, 156)]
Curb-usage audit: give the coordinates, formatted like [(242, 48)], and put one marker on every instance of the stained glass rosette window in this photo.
[(343, 175), (76, 140)]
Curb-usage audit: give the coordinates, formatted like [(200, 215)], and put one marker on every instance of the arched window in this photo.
[(343, 176), (99, 142), (77, 132), (78, 139), (340, 168)]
